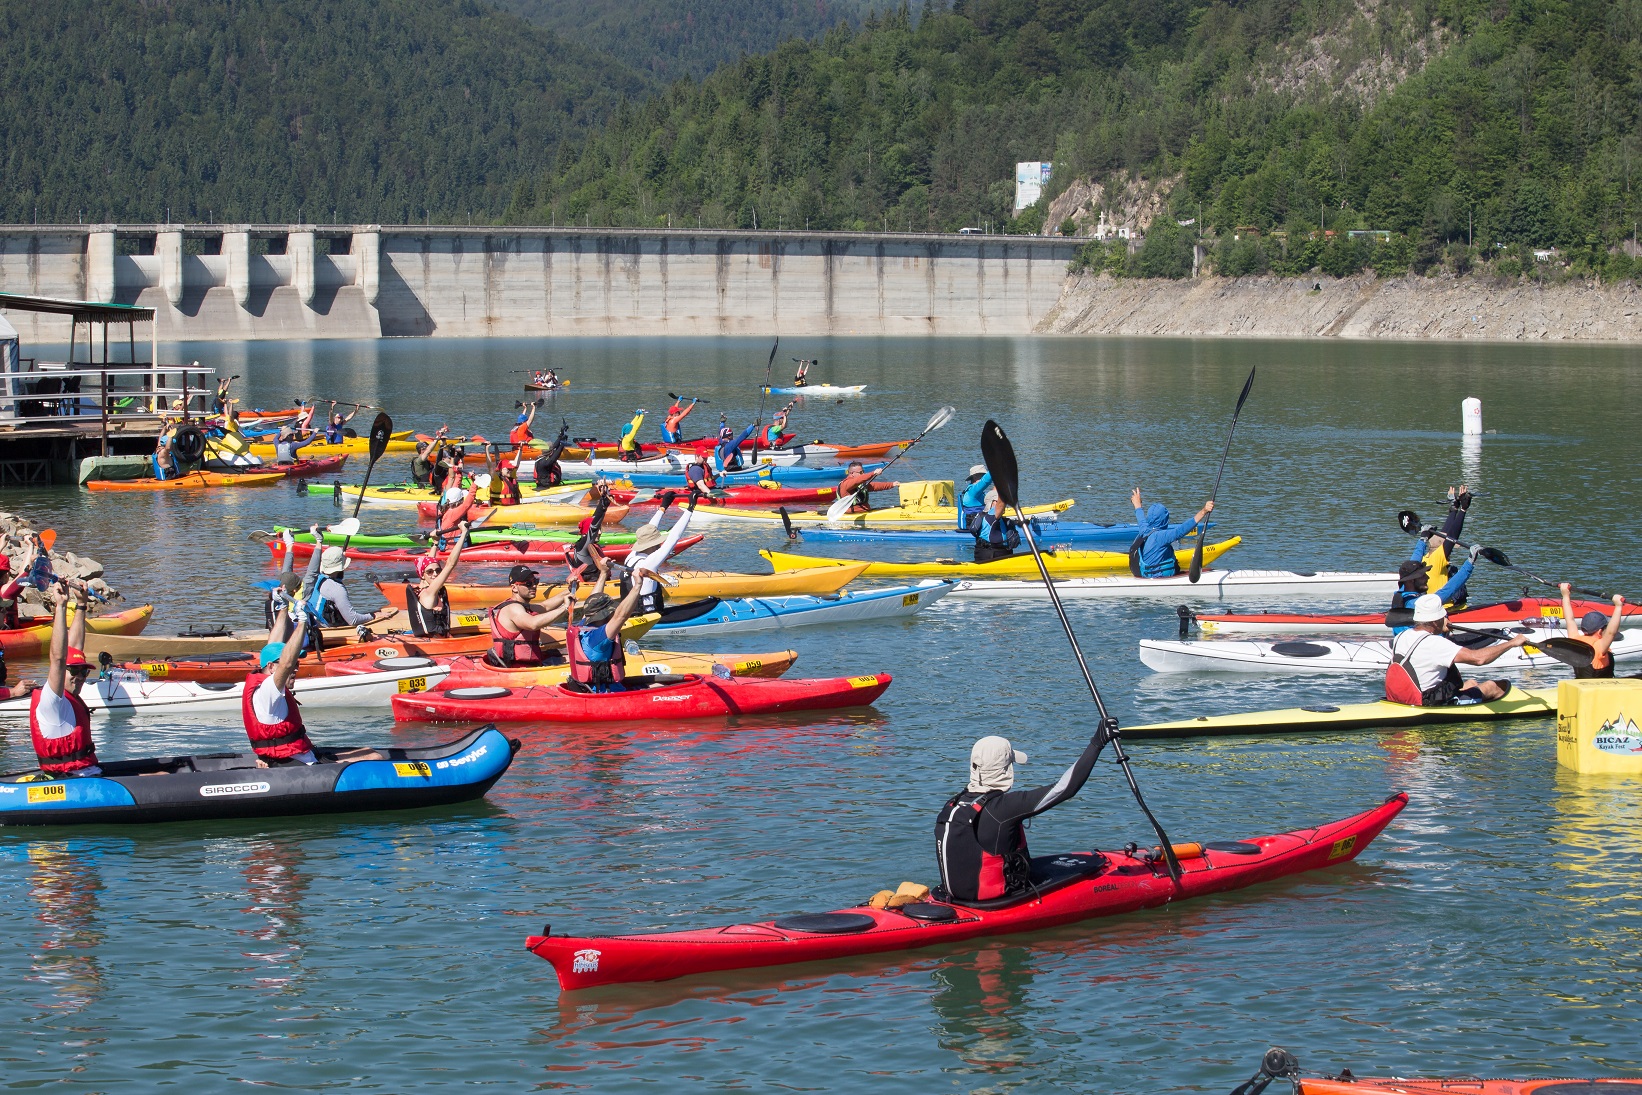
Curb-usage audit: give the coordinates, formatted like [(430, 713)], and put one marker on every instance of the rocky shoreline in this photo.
[(1364, 307), (15, 531)]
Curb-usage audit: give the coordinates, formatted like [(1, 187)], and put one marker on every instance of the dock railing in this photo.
[(42, 395)]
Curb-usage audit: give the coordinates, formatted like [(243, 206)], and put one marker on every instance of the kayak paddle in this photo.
[(381, 430), (1196, 570), (691, 398), (764, 393), (999, 456), (1410, 523), (840, 507)]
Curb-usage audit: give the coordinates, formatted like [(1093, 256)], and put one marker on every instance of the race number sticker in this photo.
[(909, 599), (413, 684), (863, 682), (409, 769), (53, 792), (1342, 847)]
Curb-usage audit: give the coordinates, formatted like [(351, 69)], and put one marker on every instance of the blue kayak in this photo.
[(721, 616), (790, 475), (1047, 534), (230, 785)]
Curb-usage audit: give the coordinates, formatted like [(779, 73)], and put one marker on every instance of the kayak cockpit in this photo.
[(1049, 873)]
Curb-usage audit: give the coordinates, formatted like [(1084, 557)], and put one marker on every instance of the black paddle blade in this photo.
[(1400, 617), (999, 457), (1196, 570), (1494, 555), (1408, 521), (381, 430), (1248, 386), (1570, 652)]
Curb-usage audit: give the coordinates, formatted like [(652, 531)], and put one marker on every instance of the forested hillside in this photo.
[(378, 110), (672, 38), (1445, 122)]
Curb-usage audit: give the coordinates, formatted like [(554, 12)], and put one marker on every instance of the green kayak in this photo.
[(478, 536)]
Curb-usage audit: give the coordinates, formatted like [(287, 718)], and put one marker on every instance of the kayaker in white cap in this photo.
[(1424, 662), (973, 499), (330, 599), (980, 835)]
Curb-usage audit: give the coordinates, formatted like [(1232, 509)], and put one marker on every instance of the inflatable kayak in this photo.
[(1212, 585), (1331, 656), (1526, 611), (688, 585), (230, 785), (1066, 889), (647, 663), (771, 493), (690, 697), (193, 480), (1061, 561), (505, 551), (120, 695), (1384, 715), (819, 389), (35, 634), (713, 616)]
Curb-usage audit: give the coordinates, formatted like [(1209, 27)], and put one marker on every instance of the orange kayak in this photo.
[(35, 635), (689, 585), (193, 480)]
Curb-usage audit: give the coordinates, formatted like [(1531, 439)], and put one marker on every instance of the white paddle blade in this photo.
[(840, 507), (346, 527), (942, 417)]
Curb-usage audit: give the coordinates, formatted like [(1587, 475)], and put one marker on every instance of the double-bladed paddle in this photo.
[(1196, 570), (1569, 651), (841, 504), (1409, 521), (999, 456), (381, 431)]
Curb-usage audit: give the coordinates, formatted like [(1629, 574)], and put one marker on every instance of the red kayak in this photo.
[(689, 697), (761, 496), (1066, 889), (1527, 611), (499, 551), (302, 469)]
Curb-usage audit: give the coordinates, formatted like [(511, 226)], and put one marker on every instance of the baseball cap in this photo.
[(1428, 609), (270, 654), (521, 574), (75, 656), (598, 608), (1592, 621)]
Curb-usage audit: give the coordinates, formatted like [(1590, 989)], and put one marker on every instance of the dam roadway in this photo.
[(366, 281)]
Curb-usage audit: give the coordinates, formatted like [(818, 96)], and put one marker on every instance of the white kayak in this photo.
[(1213, 585), (820, 389), (731, 616), (112, 696), (1327, 656)]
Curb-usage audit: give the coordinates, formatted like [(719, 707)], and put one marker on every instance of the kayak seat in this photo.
[(1049, 873), (672, 614)]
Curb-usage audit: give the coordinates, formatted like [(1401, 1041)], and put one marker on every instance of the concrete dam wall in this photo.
[(285, 282)]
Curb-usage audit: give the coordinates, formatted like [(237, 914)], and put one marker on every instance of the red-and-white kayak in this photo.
[(1068, 888), (1526, 611), (761, 495), (693, 697), (500, 551)]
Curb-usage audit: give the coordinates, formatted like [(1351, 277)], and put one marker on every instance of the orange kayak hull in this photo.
[(35, 637), (194, 480)]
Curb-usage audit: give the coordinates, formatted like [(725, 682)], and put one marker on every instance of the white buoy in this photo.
[(1471, 416)]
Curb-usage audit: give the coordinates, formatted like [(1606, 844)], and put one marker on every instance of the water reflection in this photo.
[(275, 884), (980, 1000), (66, 886)]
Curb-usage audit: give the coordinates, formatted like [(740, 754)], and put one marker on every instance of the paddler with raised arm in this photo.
[(627, 445), (329, 601), (268, 708), (980, 834), (1428, 564), (59, 721), (976, 496), (801, 376), (520, 435), (1424, 669), (1594, 630), (676, 414), (727, 456), (334, 434), (1152, 553), (593, 646), (516, 624), (772, 434), (427, 603)]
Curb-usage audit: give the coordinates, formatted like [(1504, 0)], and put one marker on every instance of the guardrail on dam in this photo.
[(367, 281)]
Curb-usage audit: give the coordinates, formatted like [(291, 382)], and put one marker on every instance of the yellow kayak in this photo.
[(349, 446), (692, 585), (1061, 563), (409, 494), (925, 504)]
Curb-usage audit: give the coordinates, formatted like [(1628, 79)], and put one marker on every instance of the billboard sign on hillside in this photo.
[(1030, 179)]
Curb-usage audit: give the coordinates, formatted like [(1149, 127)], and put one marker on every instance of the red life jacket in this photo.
[(273, 740), (70, 753), (506, 492), (1402, 684), (505, 644), (593, 672), (519, 435)]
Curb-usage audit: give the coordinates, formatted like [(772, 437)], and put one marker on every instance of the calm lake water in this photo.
[(1494, 929)]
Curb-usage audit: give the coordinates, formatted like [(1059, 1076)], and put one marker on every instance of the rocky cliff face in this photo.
[(1358, 308), (16, 532)]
